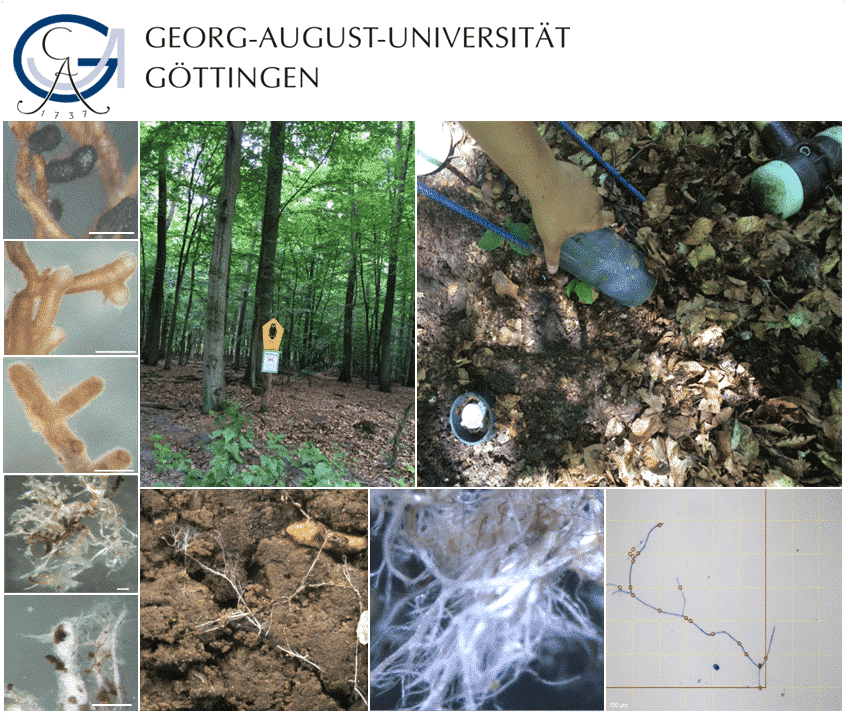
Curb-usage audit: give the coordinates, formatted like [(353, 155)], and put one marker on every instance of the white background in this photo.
[(623, 60)]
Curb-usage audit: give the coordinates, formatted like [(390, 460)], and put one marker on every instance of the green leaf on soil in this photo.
[(801, 318), (490, 240), (521, 231), (712, 287), (585, 292), (520, 249), (829, 263)]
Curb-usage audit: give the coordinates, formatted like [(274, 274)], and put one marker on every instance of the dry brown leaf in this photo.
[(615, 427), (699, 231), (503, 285), (681, 426), (646, 425), (624, 457), (679, 464), (648, 457), (510, 334), (656, 204)]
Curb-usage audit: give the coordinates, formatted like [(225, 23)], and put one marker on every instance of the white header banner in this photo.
[(181, 61)]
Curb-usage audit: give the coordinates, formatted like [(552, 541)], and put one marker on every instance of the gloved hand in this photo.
[(570, 206)]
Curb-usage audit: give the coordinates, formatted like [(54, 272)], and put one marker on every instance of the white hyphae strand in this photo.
[(105, 666), (472, 590), (73, 694), (84, 657)]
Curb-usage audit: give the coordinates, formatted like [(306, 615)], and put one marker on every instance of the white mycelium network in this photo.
[(470, 591), (71, 523)]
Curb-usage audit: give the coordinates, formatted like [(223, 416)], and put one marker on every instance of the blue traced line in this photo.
[(630, 592)]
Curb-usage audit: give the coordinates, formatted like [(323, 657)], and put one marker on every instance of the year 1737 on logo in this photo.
[(64, 61)]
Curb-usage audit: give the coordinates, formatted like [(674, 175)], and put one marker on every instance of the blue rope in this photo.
[(434, 195), (587, 147)]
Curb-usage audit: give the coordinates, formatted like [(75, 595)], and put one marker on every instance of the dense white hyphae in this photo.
[(471, 589), (72, 522), (86, 663)]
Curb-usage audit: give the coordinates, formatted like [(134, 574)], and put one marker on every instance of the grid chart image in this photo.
[(733, 602)]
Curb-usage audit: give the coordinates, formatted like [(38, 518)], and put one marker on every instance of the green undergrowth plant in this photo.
[(584, 291), (169, 459), (523, 231), (404, 480), (235, 436), (320, 470)]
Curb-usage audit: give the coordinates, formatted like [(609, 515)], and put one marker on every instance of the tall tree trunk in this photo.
[(387, 321), (242, 310), (150, 352), (184, 257), (184, 356), (307, 332), (214, 384), (163, 338), (143, 315), (378, 269), (410, 374), (349, 304), (366, 303), (288, 339), (390, 287), (188, 236), (267, 253)]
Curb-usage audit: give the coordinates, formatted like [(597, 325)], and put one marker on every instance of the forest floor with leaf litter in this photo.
[(347, 421), (728, 375)]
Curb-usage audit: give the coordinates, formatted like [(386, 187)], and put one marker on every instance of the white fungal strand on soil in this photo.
[(473, 590), (363, 629)]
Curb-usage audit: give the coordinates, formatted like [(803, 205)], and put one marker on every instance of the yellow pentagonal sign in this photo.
[(272, 333)]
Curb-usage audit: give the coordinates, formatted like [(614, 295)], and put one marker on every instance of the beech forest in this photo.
[(306, 224)]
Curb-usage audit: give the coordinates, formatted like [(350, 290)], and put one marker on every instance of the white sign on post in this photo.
[(270, 362), (272, 332)]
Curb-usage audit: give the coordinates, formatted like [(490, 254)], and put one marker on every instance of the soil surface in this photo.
[(201, 648), (359, 422), (728, 375)]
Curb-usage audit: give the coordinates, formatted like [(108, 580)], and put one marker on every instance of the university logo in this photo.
[(52, 60)]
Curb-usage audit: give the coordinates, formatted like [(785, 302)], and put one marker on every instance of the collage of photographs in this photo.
[(406, 415)]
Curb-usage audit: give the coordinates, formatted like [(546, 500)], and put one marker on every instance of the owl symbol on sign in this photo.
[(272, 331)]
